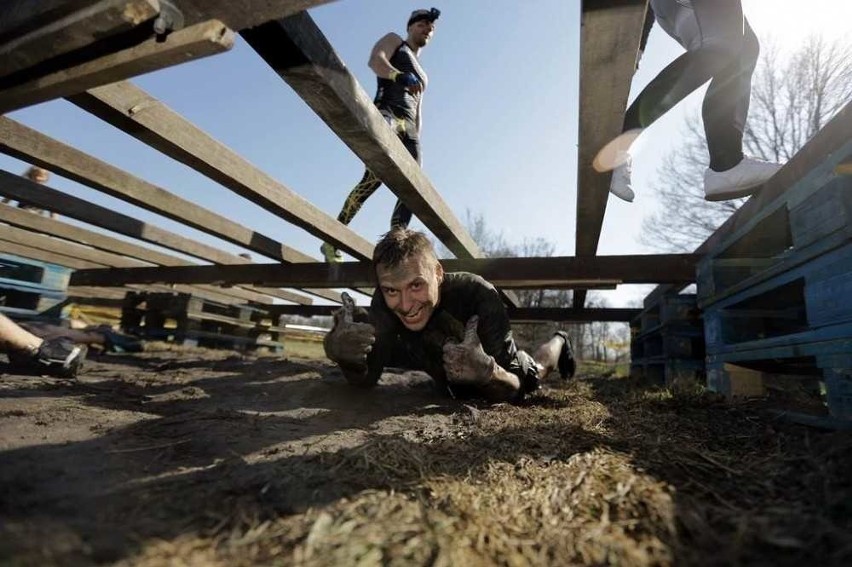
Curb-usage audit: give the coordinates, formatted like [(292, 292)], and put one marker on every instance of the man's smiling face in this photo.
[(412, 289)]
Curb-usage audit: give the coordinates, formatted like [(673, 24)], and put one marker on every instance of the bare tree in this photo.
[(792, 99)]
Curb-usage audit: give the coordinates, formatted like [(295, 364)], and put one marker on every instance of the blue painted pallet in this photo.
[(805, 299), (676, 341), (665, 371), (39, 275), (830, 359), (803, 225)]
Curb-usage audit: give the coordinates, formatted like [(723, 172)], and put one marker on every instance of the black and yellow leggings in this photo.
[(407, 132)]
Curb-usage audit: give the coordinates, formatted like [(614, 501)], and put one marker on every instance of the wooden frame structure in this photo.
[(95, 46)]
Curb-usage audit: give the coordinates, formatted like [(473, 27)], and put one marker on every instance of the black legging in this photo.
[(722, 48), (401, 216)]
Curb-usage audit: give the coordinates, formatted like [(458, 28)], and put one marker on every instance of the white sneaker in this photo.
[(739, 181), (620, 186)]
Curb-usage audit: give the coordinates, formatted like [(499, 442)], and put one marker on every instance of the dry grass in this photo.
[(596, 473)]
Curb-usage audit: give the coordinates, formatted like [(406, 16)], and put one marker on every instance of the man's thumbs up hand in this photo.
[(348, 343), (466, 362)]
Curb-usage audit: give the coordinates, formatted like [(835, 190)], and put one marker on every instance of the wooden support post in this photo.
[(610, 37)]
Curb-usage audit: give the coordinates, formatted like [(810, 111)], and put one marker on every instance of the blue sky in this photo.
[(500, 122)]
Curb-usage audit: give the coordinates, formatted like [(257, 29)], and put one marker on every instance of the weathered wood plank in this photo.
[(214, 294), (240, 14), (521, 273), (21, 189), (49, 36), (34, 147), (520, 314), (51, 227), (201, 40), (132, 110), (32, 33), (298, 51), (609, 42)]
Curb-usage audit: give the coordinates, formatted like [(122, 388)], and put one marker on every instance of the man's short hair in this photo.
[(400, 244), (431, 14)]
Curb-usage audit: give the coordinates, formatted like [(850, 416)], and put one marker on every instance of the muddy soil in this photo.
[(144, 453)]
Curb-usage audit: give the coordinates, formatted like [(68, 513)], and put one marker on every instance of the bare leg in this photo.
[(14, 337), (556, 354)]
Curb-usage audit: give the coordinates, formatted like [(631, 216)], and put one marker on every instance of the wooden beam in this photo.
[(22, 16), (297, 50), (199, 41), (520, 273), (36, 223), (48, 36), (32, 33), (22, 189), (609, 42), (58, 246), (24, 251), (28, 145), (134, 111), (518, 315), (240, 14)]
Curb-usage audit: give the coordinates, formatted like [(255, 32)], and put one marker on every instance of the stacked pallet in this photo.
[(777, 293), (28, 287), (667, 340), (193, 321)]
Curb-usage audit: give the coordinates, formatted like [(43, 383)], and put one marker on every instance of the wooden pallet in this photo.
[(667, 341), (193, 321), (28, 287)]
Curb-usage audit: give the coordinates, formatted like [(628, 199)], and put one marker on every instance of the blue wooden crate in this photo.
[(804, 223), (665, 371), (38, 275), (815, 294)]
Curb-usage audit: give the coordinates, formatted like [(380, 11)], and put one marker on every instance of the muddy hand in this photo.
[(466, 362), (348, 343)]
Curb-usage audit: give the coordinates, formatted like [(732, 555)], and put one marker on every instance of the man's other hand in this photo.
[(410, 81), (466, 362), (349, 342)]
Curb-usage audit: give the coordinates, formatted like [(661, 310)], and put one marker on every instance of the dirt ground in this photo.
[(202, 457)]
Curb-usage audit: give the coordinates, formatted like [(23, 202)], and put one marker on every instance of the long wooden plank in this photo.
[(519, 314), (39, 38), (34, 147), (522, 273), (51, 227), (65, 248), (22, 16), (132, 110), (298, 51), (52, 257), (31, 38), (21, 189), (201, 40), (609, 42)]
